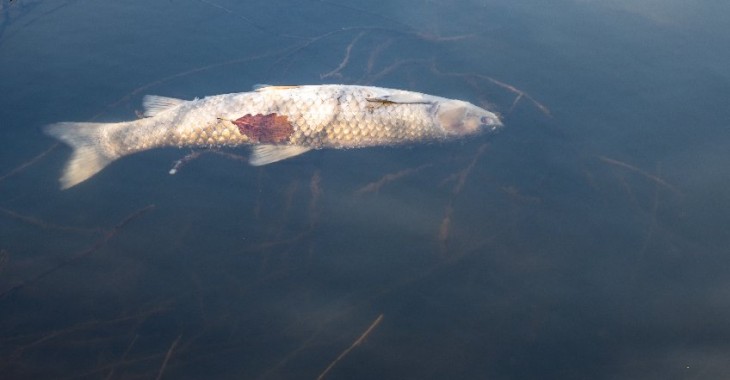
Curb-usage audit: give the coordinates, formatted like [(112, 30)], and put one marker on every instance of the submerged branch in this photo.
[(45, 225), (374, 187), (108, 235), (179, 164), (370, 79), (460, 177), (28, 163), (167, 357), (196, 70), (518, 93), (345, 60), (356, 343), (633, 168)]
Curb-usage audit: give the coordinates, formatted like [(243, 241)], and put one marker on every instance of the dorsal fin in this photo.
[(154, 104), (266, 154), (267, 87)]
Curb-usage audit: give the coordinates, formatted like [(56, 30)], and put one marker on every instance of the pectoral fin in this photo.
[(266, 154)]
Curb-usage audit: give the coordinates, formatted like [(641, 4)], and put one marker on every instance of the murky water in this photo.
[(587, 240)]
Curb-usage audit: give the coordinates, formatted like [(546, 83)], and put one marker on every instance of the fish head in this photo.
[(459, 118)]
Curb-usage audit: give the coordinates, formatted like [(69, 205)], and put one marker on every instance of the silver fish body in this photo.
[(278, 121)]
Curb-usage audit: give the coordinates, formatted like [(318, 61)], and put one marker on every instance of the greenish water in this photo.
[(587, 240)]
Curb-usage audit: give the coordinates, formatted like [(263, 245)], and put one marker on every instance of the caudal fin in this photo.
[(89, 155)]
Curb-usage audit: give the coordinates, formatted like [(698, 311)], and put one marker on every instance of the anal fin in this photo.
[(266, 154)]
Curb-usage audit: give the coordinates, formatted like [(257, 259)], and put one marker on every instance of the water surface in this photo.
[(587, 240)]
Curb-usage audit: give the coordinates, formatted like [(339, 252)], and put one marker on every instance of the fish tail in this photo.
[(90, 149)]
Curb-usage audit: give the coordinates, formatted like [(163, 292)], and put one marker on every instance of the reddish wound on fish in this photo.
[(265, 129)]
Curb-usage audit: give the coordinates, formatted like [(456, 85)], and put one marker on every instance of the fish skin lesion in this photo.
[(265, 129)]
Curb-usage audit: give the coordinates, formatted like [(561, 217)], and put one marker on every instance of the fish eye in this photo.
[(484, 120)]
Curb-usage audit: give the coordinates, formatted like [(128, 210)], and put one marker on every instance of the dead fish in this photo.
[(277, 121)]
